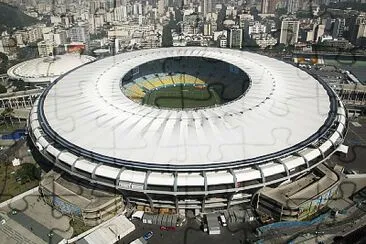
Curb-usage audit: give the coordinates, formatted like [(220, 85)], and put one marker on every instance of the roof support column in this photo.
[(284, 166), (95, 168), (175, 187), (146, 177), (234, 178), (306, 161), (205, 181), (119, 176), (262, 174), (73, 164)]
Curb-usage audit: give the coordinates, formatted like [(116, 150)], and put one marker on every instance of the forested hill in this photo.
[(13, 17)]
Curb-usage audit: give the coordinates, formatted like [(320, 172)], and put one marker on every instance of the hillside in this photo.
[(12, 17)]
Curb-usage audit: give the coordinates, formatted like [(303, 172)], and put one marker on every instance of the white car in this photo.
[(223, 220)]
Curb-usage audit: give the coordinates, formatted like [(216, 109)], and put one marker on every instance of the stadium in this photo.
[(42, 71), (187, 128)]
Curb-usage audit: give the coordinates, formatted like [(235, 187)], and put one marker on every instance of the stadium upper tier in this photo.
[(286, 117), (44, 70)]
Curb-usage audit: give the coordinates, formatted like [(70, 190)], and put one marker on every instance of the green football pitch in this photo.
[(182, 96)]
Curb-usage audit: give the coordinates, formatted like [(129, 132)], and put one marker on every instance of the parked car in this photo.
[(222, 220), (148, 235), (172, 228)]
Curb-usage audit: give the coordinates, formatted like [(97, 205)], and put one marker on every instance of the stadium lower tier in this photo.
[(205, 189)]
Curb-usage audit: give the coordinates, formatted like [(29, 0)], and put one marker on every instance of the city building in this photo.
[(79, 34), (235, 38), (45, 48), (289, 32)]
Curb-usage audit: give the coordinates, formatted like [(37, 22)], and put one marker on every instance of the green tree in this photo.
[(28, 172), (167, 38), (220, 18), (3, 89)]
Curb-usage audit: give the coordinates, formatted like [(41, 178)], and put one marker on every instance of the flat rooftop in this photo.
[(303, 189)]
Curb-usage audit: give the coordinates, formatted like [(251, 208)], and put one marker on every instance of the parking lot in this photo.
[(191, 232)]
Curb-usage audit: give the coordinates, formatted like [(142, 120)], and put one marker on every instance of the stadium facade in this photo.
[(92, 125)]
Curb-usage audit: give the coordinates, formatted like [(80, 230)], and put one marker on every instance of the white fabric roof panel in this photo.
[(88, 109)]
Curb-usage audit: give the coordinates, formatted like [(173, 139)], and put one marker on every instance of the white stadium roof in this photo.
[(283, 107), (47, 69)]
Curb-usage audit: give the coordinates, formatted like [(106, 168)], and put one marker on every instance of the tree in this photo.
[(167, 38), (220, 18), (3, 89), (28, 172)]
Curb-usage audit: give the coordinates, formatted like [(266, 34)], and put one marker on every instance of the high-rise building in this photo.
[(269, 6), (338, 28), (207, 7), (79, 34), (235, 38), (289, 32), (45, 48), (161, 7), (293, 6)]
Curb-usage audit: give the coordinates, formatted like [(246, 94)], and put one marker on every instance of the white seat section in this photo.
[(133, 176), (85, 165), (310, 153), (292, 162), (325, 146), (190, 179), (272, 169), (220, 177), (247, 174), (335, 137), (160, 179), (67, 158), (52, 150), (107, 172)]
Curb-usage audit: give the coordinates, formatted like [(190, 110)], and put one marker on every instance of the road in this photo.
[(191, 233)]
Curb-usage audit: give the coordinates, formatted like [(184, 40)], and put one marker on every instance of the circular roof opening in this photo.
[(185, 82)]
